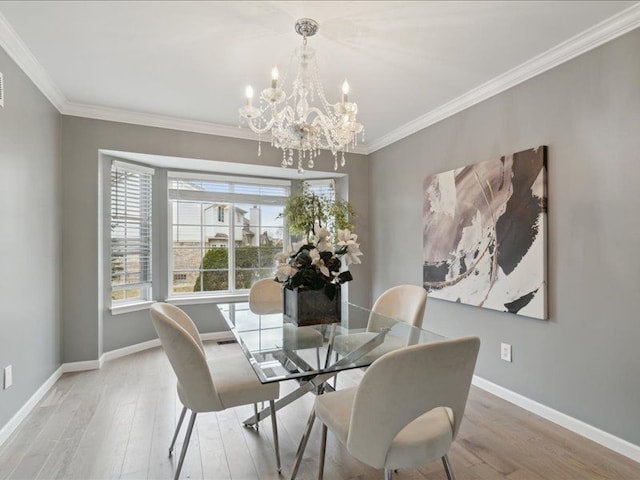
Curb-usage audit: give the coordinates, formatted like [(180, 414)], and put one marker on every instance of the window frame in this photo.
[(146, 287), (230, 199)]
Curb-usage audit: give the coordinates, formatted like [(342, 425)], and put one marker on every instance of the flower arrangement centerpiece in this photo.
[(314, 263)]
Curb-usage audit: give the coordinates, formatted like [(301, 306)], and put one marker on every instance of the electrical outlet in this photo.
[(8, 377), (505, 352)]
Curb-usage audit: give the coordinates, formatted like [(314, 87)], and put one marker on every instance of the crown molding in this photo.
[(20, 53), (155, 120), (603, 32), (162, 121)]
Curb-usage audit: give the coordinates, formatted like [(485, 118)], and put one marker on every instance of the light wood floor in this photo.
[(117, 422)]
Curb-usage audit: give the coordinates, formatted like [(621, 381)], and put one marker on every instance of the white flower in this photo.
[(284, 272), (320, 232), (297, 245), (315, 256), (345, 236), (348, 240), (353, 252), (325, 245)]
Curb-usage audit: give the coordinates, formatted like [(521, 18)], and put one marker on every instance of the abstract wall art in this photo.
[(484, 234)]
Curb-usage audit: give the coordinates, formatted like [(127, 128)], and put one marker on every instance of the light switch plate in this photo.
[(505, 352), (8, 377)]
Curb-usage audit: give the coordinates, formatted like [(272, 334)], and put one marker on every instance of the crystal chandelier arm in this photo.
[(258, 130), (326, 121), (336, 137), (326, 141)]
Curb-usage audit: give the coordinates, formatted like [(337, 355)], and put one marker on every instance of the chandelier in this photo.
[(303, 120)]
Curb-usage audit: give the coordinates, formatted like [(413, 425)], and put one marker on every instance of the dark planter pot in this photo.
[(310, 307)]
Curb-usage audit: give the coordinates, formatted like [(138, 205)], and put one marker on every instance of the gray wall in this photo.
[(584, 361), (30, 238), (88, 328)]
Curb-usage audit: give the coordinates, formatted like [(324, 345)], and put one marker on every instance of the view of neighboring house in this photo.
[(250, 234)]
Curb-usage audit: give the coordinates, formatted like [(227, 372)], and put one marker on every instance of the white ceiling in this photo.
[(191, 60)]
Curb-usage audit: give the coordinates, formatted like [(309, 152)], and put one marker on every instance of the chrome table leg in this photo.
[(274, 426), (303, 444)]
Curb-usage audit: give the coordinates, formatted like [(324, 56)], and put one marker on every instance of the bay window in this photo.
[(130, 235), (225, 232)]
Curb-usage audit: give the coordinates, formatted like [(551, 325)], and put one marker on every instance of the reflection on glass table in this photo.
[(278, 350)]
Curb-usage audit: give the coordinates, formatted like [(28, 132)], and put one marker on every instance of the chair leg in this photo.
[(187, 438), (335, 379), (175, 435), (447, 468), (274, 426), (323, 451), (303, 443), (318, 358), (387, 474), (255, 411)]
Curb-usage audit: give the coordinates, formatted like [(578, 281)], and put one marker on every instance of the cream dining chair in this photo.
[(207, 385), (407, 409), (265, 298), (405, 303)]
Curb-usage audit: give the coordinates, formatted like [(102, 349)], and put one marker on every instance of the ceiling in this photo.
[(187, 63)]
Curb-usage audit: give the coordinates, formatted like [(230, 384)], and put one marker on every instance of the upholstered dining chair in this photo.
[(207, 385), (407, 409), (265, 298), (405, 303)]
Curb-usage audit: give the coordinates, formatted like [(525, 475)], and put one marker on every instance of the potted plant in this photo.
[(311, 270)]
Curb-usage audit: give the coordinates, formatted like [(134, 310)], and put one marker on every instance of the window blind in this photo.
[(322, 188), (184, 186), (130, 232)]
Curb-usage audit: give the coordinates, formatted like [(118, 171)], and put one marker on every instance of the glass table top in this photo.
[(279, 350)]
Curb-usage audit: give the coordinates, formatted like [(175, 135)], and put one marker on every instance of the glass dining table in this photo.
[(279, 351)]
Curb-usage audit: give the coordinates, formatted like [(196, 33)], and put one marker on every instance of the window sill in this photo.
[(230, 298), (131, 307)]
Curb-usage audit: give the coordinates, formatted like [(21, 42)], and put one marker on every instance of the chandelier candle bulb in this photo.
[(345, 92), (249, 94), (274, 77)]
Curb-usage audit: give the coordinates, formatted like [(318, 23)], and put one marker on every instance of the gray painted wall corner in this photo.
[(30, 337)]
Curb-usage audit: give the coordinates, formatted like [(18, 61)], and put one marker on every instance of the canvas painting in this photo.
[(484, 234)]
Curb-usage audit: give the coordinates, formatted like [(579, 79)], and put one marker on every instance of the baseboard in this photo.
[(123, 352), (69, 367), (21, 414), (139, 347), (80, 366), (583, 429), (217, 336)]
